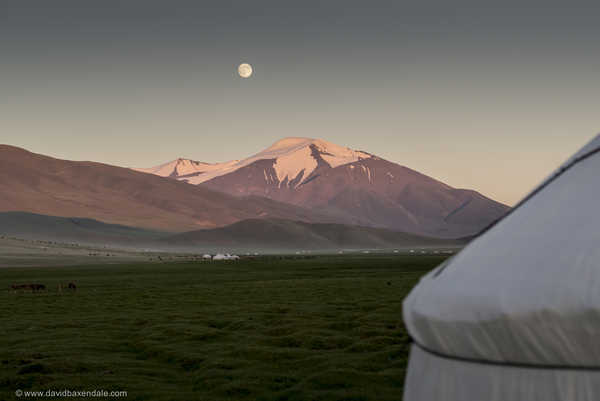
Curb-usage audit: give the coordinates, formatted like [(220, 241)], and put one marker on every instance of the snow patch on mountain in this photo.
[(164, 170), (292, 156), (184, 167), (293, 164)]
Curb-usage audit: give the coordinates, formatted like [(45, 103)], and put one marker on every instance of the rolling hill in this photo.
[(277, 234), (72, 229), (44, 185), (251, 234)]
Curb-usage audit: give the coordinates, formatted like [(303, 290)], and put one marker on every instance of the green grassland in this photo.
[(320, 328)]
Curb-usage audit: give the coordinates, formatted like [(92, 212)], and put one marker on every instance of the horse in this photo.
[(32, 287)]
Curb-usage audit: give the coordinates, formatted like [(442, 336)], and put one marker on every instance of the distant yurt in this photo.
[(227, 256), (515, 316)]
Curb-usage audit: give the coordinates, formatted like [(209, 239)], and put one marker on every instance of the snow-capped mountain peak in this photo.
[(333, 154), (294, 159), (295, 155)]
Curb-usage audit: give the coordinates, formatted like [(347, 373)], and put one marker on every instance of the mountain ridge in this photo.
[(294, 235), (41, 184), (286, 149), (250, 234)]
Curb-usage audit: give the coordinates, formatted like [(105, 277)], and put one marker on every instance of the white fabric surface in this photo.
[(431, 378)]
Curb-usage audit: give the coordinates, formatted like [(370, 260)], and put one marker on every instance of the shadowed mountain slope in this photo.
[(75, 229), (39, 184), (294, 235)]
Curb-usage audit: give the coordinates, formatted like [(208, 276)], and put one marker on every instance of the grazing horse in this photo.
[(32, 287)]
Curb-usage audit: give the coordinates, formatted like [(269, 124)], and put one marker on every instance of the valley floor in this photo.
[(272, 328), (27, 252)]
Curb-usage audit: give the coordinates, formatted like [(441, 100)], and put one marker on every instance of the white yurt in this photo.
[(227, 256), (515, 316)]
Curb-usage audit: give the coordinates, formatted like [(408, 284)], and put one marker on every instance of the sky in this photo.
[(491, 97)]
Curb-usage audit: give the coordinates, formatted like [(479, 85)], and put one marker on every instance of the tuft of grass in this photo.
[(325, 328)]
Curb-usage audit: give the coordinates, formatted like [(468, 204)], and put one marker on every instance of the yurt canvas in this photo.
[(515, 316)]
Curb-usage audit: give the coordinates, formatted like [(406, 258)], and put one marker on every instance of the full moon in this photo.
[(245, 70)]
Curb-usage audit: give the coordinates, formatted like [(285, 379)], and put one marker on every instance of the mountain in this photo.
[(268, 234), (352, 185), (73, 229), (39, 184), (277, 234)]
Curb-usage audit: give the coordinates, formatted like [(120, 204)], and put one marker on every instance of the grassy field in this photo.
[(324, 328)]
